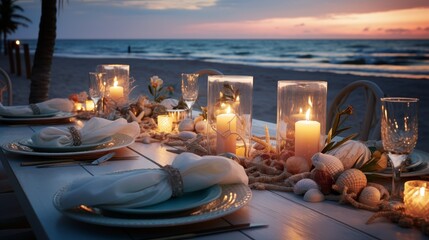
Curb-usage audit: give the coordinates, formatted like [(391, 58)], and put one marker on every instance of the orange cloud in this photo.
[(407, 23)]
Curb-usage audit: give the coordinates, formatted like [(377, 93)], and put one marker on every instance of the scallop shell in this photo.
[(303, 185), (186, 124), (370, 196), (353, 178), (333, 165), (313, 195), (352, 154)]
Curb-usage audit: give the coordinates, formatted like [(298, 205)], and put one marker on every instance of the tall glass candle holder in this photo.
[(117, 81), (301, 118), (229, 114)]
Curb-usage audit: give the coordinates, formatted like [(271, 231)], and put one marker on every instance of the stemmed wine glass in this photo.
[(190, 89), (96, 87), (399, 132)]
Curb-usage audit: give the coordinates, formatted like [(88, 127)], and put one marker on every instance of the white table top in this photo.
[(288, 216)]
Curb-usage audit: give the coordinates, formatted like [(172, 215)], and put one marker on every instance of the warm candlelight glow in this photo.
[(116, 92), (226, 128), (165, 123), (307, 137), (89, 105), (78, 106), (416, 198)]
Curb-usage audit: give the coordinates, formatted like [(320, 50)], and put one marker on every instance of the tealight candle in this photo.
[(307, 138), (226, 129), (116, 92), (78, 106), (416, 198), (165, 123), (89, 105)]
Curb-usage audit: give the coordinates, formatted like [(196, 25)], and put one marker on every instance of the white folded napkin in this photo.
[(146, 187), (49, 106), (94, 131)]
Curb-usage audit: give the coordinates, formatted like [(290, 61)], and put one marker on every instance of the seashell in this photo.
[(147, 111), (201, 126), (169, 103), (333, 165), (353, 154), (322, 177), (354, 179), (186, 124), (303, 185), (314, 195), (296, 165), (185, 135), (198, 119), (370, 196)]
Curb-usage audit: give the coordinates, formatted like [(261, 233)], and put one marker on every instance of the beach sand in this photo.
[(70, 75)]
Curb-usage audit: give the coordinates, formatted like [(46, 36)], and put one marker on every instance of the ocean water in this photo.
[(390, 58)]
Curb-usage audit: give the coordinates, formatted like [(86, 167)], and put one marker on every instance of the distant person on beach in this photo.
[(129, 49)]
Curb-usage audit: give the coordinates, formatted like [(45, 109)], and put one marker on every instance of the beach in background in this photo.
[(70, 71)]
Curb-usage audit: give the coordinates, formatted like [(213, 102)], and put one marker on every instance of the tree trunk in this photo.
[(41, 71)]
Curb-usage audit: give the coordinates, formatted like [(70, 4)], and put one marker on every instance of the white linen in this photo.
[(95, 130), (146, 187), (46, 107)]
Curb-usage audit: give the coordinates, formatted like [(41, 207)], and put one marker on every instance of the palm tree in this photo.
[(41, 71), (10, 19)]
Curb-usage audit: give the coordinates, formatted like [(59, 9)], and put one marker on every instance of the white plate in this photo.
[(44, 115), (37, 120), (233, 197), (118, 141), (84, 147), (417, 156), (186, 202)]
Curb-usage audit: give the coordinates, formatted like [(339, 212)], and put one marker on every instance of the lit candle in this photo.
[(226, 129), (307, 138), (416, 198), (89, 105), (165, 123), (116, 92), (78, 106)]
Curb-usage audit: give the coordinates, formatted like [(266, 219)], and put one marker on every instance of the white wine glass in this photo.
[(190, 89), (399, 133), (96, 88)]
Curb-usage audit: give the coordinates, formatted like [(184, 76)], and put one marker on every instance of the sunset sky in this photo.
[(196, 19)]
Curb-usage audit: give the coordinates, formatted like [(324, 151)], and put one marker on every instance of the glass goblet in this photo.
[(190, 89), (96, 88), (399, 132)]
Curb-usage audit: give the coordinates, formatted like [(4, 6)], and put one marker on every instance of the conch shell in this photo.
[(333, 165), (353, 154)]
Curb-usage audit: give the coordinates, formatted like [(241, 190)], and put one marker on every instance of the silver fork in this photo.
[(97, 161)]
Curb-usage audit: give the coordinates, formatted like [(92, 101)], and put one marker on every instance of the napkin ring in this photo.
[(175, 180), (77, 139), (35, 109)]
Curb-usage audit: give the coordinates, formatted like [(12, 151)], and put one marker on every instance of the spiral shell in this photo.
[(313, 195), (303, 185), (333, 165), (370, 196), (352, 154), (354, 179)]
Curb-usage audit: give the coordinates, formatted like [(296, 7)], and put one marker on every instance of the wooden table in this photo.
[(288, 216)]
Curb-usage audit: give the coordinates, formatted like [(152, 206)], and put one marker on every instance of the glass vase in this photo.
[(301, 118), (117, 83), (229, 114)]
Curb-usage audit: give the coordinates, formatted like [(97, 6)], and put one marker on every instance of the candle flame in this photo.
[(310, 103), (307, 115), (115, 82), (237, 99), (300, 110), (422, 191), (228, 110)]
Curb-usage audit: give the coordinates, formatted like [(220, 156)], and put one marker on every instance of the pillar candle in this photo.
[(116, 92), (165, 123), (307, 138), (226, 126)]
